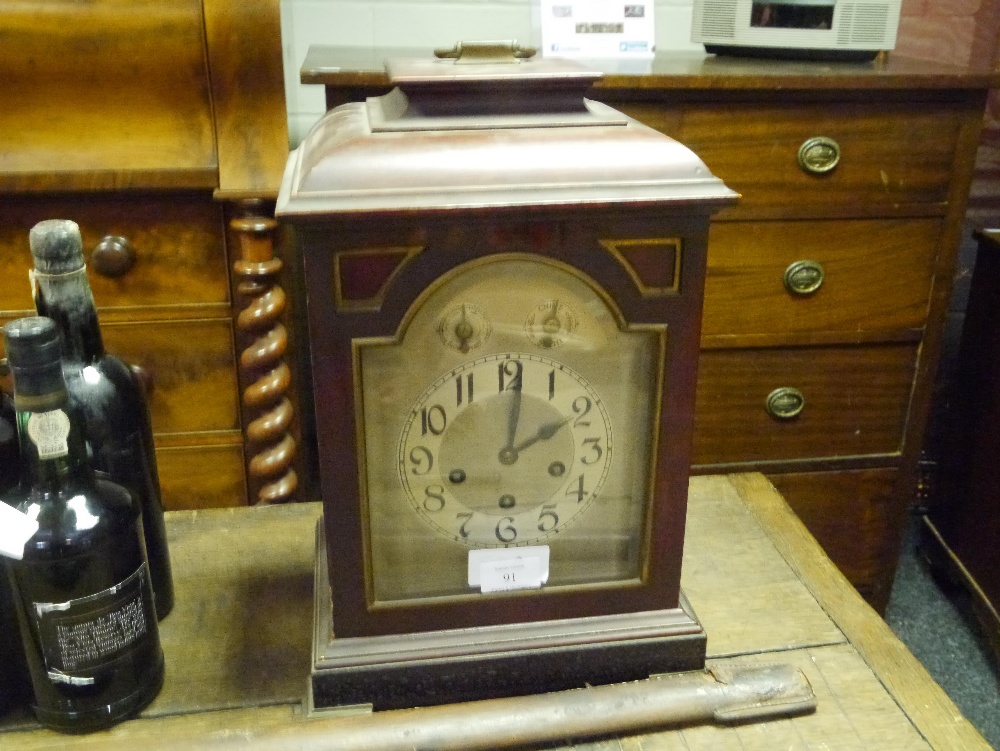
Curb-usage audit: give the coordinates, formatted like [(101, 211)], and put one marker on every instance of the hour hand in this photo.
[(544, 433)]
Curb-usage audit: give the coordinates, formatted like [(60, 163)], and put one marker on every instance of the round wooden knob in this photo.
[(113, 256), (785, 402), (819, 155), (804, 277)]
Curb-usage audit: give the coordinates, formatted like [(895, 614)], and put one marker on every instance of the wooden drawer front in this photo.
[(201, 477), (876, 278), (105, 87), (851, 515), (889, 153), (192, 367), (178, 241), (855, 402)]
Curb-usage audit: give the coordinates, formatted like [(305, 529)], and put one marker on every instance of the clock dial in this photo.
[(514, 408), (507, 449)]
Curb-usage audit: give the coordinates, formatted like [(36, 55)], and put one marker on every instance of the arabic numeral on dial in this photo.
[(547, 518), (594, 452), (510, 375), (505, 531), (433, 498), (464, 529), (433, 420), (577, 489), (581, 407), (422, 460)]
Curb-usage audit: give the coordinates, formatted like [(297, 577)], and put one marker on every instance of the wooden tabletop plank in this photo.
[(238, 642), (747, 598), (931, 710)]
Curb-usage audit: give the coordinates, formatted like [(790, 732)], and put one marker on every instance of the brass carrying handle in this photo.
[(819, 155), (804, 277), (502, 51), (113, 256), (785, 402)]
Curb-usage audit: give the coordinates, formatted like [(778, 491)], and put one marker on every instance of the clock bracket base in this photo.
[(441, 667)]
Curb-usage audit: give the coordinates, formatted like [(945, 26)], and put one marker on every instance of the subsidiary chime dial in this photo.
[(514, 445)]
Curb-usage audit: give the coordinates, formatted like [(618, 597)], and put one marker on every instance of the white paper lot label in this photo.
[(504, 569)]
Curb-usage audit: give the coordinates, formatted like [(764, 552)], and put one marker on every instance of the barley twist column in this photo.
[(264, 375)]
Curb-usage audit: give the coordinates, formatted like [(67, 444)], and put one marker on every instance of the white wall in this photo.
[(420, 23)]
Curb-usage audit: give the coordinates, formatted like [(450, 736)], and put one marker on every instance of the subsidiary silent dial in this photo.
[(464, 327)]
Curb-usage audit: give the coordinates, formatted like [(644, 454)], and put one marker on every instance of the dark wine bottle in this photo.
[(110, 396), (9, 451), (13, 676), (85, 605)]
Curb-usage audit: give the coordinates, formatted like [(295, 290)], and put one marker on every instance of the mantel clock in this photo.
[(504, 287)]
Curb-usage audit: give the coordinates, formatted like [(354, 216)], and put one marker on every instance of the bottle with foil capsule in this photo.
[(82, 590), (13, 678), (110, 396)]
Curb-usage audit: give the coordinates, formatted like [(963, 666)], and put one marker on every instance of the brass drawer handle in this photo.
[(819, 155), (113, 256), (785, 402), (804, 277)]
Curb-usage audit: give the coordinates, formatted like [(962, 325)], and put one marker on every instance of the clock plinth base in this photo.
[(455, 665)]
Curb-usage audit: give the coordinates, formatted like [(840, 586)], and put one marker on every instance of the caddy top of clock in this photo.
[(504, 287)]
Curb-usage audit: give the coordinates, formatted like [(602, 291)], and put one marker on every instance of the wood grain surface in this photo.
[(856, 399), (179, 269), (849, 513), (679, 71), (934, 714), (248, 96), (106, 94), (864, 296), (892, 153)]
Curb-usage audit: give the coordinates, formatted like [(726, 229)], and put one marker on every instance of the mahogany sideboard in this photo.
[(827, 283), (160, 128)]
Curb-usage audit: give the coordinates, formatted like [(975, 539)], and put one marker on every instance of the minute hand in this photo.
[(544, 433)]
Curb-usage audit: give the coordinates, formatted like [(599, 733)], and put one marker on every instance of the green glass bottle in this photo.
[(82, 590)]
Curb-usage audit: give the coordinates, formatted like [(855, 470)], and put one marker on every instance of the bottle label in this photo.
[(48, 431), (85, 633)]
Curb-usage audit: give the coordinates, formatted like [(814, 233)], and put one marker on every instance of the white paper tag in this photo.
[(49, 431), (503, 569), (16, 528)]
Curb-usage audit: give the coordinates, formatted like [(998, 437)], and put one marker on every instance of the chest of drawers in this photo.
[(827, 283), (150, 126)]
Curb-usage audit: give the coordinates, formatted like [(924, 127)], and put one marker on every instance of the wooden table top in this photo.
[(365, 66), (238, 642)]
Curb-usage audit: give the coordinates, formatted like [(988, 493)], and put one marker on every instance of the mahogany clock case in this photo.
[(435, 650), (572, 237), (485, 228)]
